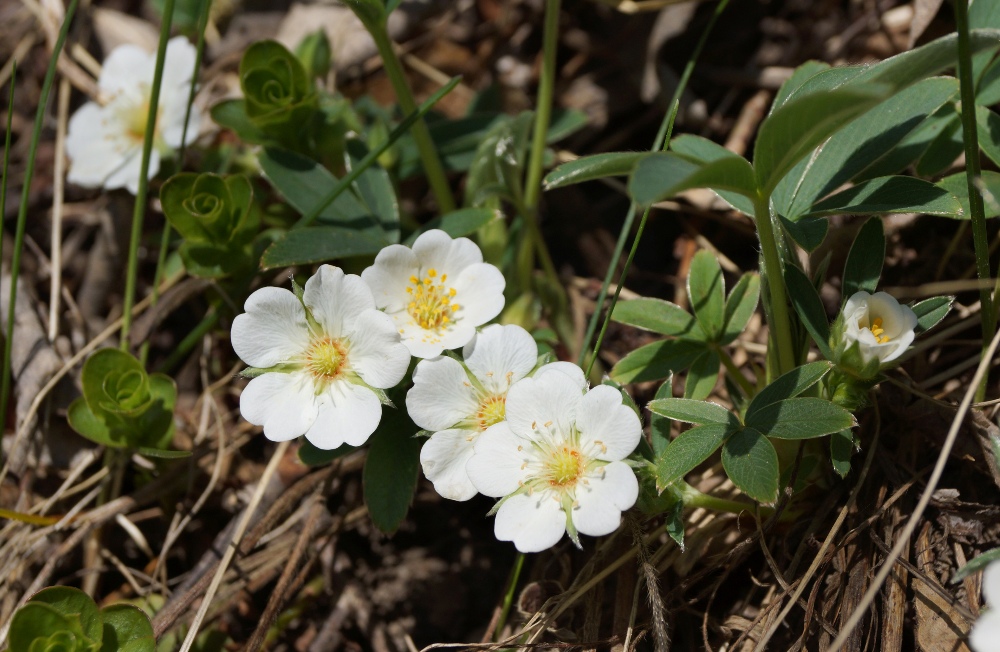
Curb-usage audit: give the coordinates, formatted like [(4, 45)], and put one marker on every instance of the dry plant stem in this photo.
[(925, 497), (206, 602), (57, 208), (828, 541), (970, 137)]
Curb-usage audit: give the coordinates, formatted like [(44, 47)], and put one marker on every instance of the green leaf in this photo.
[(799, 77), (841, 450), (864, 262), (931, 311), (375, 190), (663, 175), (789, 385), (457, 223), (740, 306), (912, 147), (391, 470), (305, 184), (800, 418), (596, 166), (688, 411), (312, 456), (320, 244), (690, 449), (82, 419), (890, 195), (656, 360), (37, 626), (752, 464), (958, 186), (232, 115), (944, 149), (702, 376), (809, 232), (457, 142), (977, 564), (76, 608), (703, 151), (801, 124), (809, 307), (988, 92), (565, 123), (988, 130), (658, 316), (707, 291), (659, 426), (126, 629)]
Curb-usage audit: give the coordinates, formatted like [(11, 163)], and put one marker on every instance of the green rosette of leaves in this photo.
[(215, 215), (279, 96), (64, 619), (124, 407)]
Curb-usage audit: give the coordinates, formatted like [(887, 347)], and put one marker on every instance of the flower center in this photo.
[(564, 466), (135, 121), (326, 357), (877, 330), (493, 410), (430, 301)]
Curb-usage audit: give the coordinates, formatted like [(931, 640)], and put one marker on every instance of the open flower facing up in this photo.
[(985, 634), (458, 402), (104, 141), (437, 293), (882, 327), (318, 361), (556, 462)]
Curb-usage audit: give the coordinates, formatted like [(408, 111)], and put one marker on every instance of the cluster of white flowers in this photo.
[(502, 424), (985, 635), (105, 138)]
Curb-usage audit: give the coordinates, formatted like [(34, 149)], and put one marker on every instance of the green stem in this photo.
[(734, 372), (508, 598), (190, 340), (139, 211), (22, 213), (436, 176), (781, 330), (972, 175), (543, 107)]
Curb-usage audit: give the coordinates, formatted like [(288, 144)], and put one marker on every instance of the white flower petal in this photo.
[(390, 275), (985, 634), (532, 402), (283, 403), (171, 125), (126, 69), (128, 173), (602, 417), (436, 250), (534, 523), (479, 293), (602, 500), (376, 353), (573, 371), (178, 66), (348, 414), (336, 299), (455, 336), (441, 395), (500, 356), (418, 341), (857, 305), (496, 467), (991, 585), (273, 329), (443, 458), (95, 145)]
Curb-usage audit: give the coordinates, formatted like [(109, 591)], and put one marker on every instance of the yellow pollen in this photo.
[(326, 357), (564, 467), (430, 305), (491, 411), (877, 330)]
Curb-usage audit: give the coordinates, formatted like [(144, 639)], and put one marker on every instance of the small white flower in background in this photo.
[(459, 402), (556, 462), (881, 326), (325, 359), (985, 635), (437, 293), (104, 142)]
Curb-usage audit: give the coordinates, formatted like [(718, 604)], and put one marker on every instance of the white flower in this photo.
[(881, 326), (556, 462), (985, 635), (458, 401), (323, 357), (105, 140), (437, 293)]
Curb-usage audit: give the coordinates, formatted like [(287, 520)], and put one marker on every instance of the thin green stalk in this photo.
[(662, 139), (22, 213), (543, 107), (161, 258), (190, 340), (411, 120), (735, 374), (781, 330), (139, 211), (694, 498), (508, 598), (436, 176), (972, 174)]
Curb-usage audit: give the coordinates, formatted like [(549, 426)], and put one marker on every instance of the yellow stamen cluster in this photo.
[(491, 411), (326, 358), (135, 121), (877, 330), (431, 301), (564, 466)]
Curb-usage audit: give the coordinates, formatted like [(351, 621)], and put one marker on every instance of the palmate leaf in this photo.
[(690, 449), (864, 261), (663, 175), (702, 376), (789, 385), (800, 418), (689, 411), (659, 316), (751, 463), (656, 360), (890, 195), (707, 291), (740, 306), (957, 185), (320, 244), (596, 166), (931, 311), (659, 426)]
